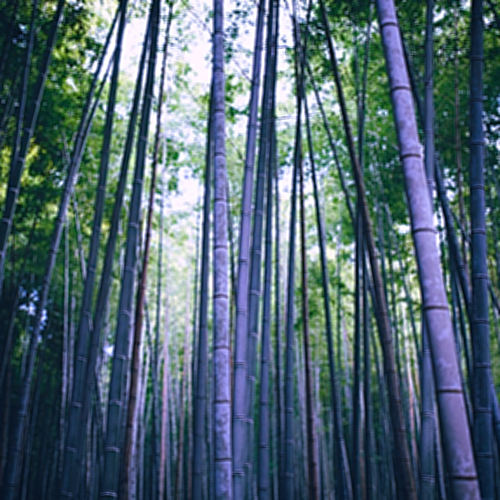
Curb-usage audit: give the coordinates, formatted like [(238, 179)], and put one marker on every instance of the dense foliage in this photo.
[(333, 381)]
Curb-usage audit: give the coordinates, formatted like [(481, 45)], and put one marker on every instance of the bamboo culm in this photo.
[(279, 414), (480, 331), (427, 440), (454, 428), (289, 486), (141, 295), (356, 415), (102, 297), (255, 285), (312, 438), (163, 451), (69, 477), (404, 474), (223, 481), (117, 393), (241, 333), (264, 459), (342, 470), (370, 469), (200, 409)]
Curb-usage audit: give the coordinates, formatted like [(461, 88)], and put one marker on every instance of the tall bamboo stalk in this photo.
[(163, 438), (341, 465), (264, 164), (404, 476), (264, 458), (183, 400), (141, 295), (66, 374), (312, 438), (200, 410), (117, 392), (101, 306), (279, 414), (454, 427), (165, 487), (358, 293), (483, 432), (223, 480), (370, 469), (458, 141), (289, 487), (241, 328), (356, 415), (157, 420), (69, 481), (427, 439)]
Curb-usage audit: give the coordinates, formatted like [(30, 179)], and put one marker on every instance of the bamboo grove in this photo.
[(250, 249)]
